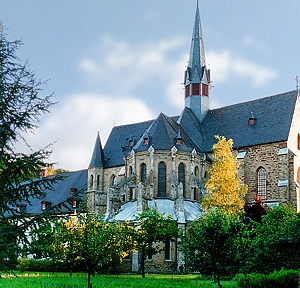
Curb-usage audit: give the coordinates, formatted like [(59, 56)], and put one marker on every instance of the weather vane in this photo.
[(297, 83)]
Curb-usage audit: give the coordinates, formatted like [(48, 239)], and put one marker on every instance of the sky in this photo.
[(117, 62)]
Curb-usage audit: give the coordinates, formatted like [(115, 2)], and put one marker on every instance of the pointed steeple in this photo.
[(98, 155), (197, 76)]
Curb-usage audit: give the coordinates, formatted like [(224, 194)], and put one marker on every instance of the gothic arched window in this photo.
[(113, 180), (162, 180), (262, 183), (143, 170), (197, 171), (91, 181), (181, 174), (98, 181)]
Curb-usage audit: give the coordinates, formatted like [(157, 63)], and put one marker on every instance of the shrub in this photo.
[(276, 279), (284, 278), (22, 264)]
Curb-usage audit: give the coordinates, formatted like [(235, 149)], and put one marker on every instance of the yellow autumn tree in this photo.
[(224, 189)]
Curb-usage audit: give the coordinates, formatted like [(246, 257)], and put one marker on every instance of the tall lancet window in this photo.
[(143, 170), (162, 180), (181, 175), (262, 183)]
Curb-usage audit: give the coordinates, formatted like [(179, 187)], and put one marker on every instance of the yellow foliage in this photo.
[(224, 189)]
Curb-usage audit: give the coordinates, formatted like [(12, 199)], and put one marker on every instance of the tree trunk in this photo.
[(89, 280), (218, 280), (143, 262)]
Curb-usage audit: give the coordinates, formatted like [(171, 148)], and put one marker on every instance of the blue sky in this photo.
[(118, 62)]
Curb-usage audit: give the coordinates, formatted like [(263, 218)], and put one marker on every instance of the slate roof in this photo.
[(60, 191), (162, 134), (98, 155), (273, 117), (117, 144)]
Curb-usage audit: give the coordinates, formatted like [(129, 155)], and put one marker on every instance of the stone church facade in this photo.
[(162, 162)]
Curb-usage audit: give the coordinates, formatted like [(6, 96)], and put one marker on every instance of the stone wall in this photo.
[(279, 169)]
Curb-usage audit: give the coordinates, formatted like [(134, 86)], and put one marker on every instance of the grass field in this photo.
[(78, 280)]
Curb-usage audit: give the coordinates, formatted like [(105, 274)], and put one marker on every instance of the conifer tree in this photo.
[(21, 105), (224, 189)]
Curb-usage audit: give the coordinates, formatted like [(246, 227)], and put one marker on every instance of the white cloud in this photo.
[(75, 122), (74, 125), (133, 64), (227, 67)]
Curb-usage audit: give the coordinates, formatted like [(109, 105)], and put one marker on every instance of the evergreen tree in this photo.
[(224, 189), (20, 108)]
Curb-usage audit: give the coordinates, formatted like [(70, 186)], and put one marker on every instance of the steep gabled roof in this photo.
[(117, 144), (162, 135), (273, 117), (98, 155)]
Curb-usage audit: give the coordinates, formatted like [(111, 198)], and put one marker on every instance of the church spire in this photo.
[(98, 155), (197, 80)]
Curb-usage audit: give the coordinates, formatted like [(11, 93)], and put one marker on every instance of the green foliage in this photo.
[(224, 189), (23, 264), (276, 279), (20, 108), (209, 243), (153, 227), (275, 243)]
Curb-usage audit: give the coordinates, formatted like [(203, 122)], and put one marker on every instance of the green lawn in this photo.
[(63, 280)]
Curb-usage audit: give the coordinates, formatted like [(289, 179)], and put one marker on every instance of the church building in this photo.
[(162, 162)]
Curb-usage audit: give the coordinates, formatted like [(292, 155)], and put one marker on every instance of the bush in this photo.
[(276, 279), (22, 264)]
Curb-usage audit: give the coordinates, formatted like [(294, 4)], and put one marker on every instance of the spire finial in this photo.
[(297, 83)]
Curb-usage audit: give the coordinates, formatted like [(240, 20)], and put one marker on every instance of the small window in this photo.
[(72, 190), (74, 203), (168, 250), (187, 91), (91, 181), (204, 89), (45, 205), (113, 180), (98, 181)]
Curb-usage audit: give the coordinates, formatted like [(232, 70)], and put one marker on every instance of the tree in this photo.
[(92, 242), (208, 243), (276, 242), (20, 108), (153, 227), (224, 189)]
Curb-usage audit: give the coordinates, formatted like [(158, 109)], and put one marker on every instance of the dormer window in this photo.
[(74, 203), (251, 120), (43, 172), (179, 140), (146, 139), (72, 190), (20, 207), (45, 205)]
